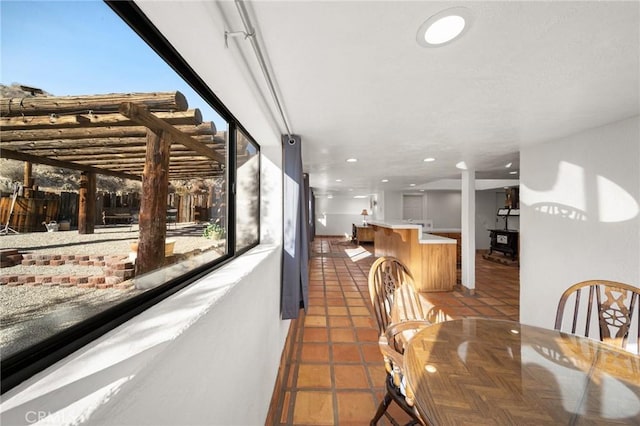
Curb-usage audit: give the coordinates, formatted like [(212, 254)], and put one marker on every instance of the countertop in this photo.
[(435, 239), (424, 238), (396, 224)]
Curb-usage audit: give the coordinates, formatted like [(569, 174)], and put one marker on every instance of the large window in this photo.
[(114, 176)]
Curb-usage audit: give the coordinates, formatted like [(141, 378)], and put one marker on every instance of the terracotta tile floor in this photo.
[(334, 374)]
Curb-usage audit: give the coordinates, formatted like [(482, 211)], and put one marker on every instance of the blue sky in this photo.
[(82, 48)]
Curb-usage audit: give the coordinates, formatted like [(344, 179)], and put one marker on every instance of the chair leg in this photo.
[(382, 408)]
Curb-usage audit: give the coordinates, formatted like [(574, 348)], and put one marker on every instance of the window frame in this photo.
[(27, 362)]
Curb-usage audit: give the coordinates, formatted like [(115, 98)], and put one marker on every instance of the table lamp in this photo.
[(364, 214)]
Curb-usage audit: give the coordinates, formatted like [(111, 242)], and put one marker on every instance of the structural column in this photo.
[(87, 203), (469, 230), (153, 206), (28, 179)]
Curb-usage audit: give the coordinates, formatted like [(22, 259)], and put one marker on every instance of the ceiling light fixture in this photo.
[(412, 184), (513, 173), (444, 27), (429, 159), (385, 180), (352, 160), (338, 180), (462, 165), (507, 165)]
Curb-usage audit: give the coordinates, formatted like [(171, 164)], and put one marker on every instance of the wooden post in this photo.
[(87, 207), (153, 206), (27, 179)]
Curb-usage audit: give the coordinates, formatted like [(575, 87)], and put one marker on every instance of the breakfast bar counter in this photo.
[(430, 258)]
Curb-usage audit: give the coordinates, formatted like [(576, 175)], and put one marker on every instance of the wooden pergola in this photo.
[(149, 137)]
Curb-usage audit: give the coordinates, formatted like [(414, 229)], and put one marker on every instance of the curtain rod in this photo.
[(250, 33)]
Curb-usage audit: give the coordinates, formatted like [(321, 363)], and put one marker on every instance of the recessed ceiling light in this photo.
[(412, 184), (352, 160), (507, 165), (429, 159), (385, 180), (338, 180), (462, 165), (513, 173), (329, 196), (444, 27), (359, 196)]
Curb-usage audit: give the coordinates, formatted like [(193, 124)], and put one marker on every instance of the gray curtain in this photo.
[(295, 275)]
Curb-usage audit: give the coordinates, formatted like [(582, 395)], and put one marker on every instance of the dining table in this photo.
[(477, 371)]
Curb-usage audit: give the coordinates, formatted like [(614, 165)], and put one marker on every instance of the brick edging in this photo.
[(117, 270)]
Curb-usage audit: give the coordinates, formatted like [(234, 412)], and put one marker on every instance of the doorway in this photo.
[(412, 207)]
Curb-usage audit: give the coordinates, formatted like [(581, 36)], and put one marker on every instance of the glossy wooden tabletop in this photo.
[(486, 372)]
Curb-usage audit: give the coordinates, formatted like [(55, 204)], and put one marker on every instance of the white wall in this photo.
[(579, 204), (392, 205), (377, 211), (485, 217), (445, 209), (334, 216)]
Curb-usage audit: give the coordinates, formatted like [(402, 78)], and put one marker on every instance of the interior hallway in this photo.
[(333, 373)]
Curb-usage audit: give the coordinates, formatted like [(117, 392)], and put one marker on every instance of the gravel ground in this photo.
[(30, 314)]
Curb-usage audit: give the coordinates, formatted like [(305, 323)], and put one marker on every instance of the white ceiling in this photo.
[(354, 83)]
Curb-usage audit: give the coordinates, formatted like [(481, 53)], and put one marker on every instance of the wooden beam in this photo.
[(45, 105), (114, 161), (185, 175), (95, 157), (87, 144), (21, 156), (144, 117), (189, 117), (37, 135)]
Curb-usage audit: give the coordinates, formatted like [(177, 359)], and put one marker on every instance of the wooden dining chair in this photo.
[(611, 305), (399, 313)]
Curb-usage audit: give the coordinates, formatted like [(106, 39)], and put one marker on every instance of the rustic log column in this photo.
[(87, 203), (28, 179), (153, 205)]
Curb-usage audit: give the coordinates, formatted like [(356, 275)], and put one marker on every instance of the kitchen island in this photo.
[(430, 258)]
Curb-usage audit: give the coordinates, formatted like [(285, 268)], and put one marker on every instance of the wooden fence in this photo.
[(29, 213)]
